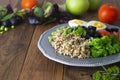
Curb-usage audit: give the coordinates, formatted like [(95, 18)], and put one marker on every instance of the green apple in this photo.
[(77, 7), (94, 4)]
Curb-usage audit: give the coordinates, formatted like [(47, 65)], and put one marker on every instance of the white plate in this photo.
[(49, 52)]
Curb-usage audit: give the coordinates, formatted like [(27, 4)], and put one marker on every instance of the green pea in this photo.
[(12, 26), (5, 29), (2, 28), (1, 32)]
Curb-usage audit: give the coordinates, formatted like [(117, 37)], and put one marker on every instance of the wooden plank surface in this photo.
[(36, 66), (13, 47), (20, 58)]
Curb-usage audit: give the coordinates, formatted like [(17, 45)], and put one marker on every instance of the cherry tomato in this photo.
[(28, 4), (117, 35), (108, 13), (104, 32)]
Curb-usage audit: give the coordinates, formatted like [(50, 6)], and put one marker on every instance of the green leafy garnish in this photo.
[(79, 31), (8, 16), (3, 11), (112, 73)]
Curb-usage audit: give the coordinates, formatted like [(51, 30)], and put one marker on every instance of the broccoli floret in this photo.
[(104, 46), (98, 52), (95, 42)]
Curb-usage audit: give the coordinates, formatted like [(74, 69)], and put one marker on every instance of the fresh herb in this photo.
[(112, 73)]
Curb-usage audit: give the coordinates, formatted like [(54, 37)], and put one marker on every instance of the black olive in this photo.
[(87, 36), (97, 35), (6, 23), (91, 28), (108, 29), (114, 29)]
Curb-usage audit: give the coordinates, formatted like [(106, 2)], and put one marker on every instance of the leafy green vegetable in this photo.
[(97, 75), (79, 31), (38, 11), (48, 8), (104, 46), (50, 38), (55, 32), (3, 11), (67, 31), (8, 16), (112, 73)]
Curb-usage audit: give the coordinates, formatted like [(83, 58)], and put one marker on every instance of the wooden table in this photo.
[(20, 58)]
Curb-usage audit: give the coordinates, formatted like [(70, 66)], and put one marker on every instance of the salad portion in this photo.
[(85, 41)]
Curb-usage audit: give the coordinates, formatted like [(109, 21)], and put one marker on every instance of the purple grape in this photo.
[(6, 23)]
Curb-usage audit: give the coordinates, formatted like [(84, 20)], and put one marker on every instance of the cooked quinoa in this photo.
[(70, 45)]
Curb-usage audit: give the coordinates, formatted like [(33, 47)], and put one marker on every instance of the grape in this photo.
[(6, 23)]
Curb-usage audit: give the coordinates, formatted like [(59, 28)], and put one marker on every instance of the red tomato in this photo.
[(117, 35), (28, 4), (108, 13), (104, 32)]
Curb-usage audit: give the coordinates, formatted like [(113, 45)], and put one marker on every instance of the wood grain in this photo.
[(13, 47), (36, 66), (20, 58)]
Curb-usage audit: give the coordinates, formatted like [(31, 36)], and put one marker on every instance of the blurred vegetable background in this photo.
[(45, 12)]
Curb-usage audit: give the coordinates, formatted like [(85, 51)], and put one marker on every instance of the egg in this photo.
[(99, 25), (76, 22)]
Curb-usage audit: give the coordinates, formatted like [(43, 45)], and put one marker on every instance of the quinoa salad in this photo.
[(83, 42)]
